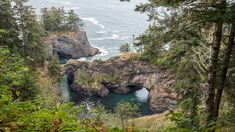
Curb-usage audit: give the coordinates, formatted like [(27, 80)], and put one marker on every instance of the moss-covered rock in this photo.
[(91, 83)]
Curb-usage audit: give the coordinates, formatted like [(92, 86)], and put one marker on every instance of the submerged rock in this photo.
[(70, 45), (123, 74)]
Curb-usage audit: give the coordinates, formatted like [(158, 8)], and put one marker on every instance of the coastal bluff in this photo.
[(70, 45)]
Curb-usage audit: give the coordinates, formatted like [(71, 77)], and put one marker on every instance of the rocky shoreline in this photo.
[(122, 74), (70, 45)]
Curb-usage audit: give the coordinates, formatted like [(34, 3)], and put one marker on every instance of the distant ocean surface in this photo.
[(109, 23)]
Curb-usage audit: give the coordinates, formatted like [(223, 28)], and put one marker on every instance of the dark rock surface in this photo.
[(70, 45)]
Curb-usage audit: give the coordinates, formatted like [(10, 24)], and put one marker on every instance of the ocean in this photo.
[(108, 23)]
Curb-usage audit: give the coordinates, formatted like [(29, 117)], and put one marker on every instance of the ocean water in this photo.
[(109, 24)]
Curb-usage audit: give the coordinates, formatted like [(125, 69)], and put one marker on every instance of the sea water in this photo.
[(108, 24)]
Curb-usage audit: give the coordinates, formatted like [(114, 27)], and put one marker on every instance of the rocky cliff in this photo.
[(123, 74), (70, 45)]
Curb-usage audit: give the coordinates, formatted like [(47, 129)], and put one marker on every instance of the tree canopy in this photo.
[(195, 39)]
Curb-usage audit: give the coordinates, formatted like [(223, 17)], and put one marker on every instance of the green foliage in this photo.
[(125, 111), (36, 115), (33, 47), (21, 112), (53, 18), (73, 22), (183, 122), (16, 75), (1, 33), (22, 33), (179, 38), (188, 86), (8, 24), (171, 46), (56, 19), (124, 48), (186, 124), (94, 79), (43, 115), (54, 67), (150, 43)]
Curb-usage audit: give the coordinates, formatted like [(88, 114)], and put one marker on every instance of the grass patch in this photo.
[(153, 123)]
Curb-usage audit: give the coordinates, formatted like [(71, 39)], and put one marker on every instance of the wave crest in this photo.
[(94, 21)]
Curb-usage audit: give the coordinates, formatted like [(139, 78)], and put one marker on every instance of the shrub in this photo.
[(124, 48)]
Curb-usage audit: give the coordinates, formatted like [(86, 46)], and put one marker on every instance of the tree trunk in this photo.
[(224, 70), (212, 71)]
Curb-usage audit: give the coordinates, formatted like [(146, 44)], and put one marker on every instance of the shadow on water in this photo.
[(139, 97)]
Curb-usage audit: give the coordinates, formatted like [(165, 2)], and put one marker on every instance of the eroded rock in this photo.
[(70, 45), (124, 74)]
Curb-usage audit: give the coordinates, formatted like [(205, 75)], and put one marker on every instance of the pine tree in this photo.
[(8, 24), (73, 22), (31, 32), (53, 19), (187, 26)]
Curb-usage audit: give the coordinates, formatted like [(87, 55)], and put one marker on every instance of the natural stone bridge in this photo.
[(122, 74)]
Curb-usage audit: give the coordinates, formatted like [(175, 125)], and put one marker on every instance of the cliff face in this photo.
[(70, 45), (123, 74)]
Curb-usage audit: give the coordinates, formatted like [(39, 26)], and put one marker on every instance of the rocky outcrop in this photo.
[(123, 74), (161, 95), (70, 45)]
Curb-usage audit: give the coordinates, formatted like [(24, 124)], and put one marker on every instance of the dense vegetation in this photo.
[(195, 38), (22, 51), (25, 63), (56, 19)]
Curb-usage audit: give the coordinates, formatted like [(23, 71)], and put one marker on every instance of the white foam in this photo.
[(60, 2), (115, 36), (142, 95), (112, 37), (72, 8), (102, 26), (103, 52), (94, 21), (102, 31), (82, 59)]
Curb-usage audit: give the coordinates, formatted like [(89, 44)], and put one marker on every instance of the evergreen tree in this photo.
[(187, 29), (8, 24), (125, 48), (73, 21), (53, 19), (57, 20), (125, 111), (30, 31)]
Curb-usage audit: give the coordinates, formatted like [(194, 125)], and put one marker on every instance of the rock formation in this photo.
[(70, 45), (123, 74)]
